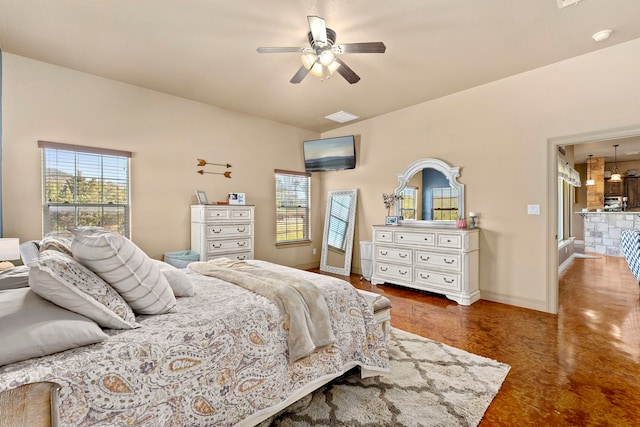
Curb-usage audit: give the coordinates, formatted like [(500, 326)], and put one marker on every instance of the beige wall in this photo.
[(166, 135), (499, 134)]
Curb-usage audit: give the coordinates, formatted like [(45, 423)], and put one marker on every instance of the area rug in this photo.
[(430, 384)]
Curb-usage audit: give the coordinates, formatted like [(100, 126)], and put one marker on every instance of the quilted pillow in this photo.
[(125, 267), (32, 327), (59, 241), (179, 282), (62, 280)]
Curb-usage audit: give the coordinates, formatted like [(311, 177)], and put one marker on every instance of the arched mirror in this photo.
[(431, 194), (337, 239)]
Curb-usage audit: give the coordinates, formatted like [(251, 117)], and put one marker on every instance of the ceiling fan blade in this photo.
[(301, 74), (281, 49), (318, 29), (346, 72), (368, 47)]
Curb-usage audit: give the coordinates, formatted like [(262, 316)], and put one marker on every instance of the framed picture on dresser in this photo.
[(202, 197), (236, 199)]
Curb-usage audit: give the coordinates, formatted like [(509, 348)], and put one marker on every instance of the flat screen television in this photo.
[(330, 154)]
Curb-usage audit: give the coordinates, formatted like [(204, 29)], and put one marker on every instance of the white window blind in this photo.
[(338, 220), (293, 195), (408, 203), (85, 186)]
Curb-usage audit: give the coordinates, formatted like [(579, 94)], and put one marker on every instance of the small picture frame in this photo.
[(202, 197), (236, 199), (392, 220)]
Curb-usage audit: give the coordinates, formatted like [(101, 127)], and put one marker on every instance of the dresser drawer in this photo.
[(213, 214), (383, 236), (418, 239), (228, 230), (450, 282), (240, 214), (228, 245), (449, 240), (445, 261), (235, 256), (404, 256), (392, 271)]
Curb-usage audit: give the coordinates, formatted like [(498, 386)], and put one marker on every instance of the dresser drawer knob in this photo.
[(449, 262), (448, 281), (383, 269), (424, 259), (216, 246), (241, 230), (216, 231), (384, 253), (241, 243), (402, 255), (403, 273), (422, 276)]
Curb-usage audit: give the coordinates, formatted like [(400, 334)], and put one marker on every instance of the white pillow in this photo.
[(14, 278), (31, 327), (58, 278), (125, 267), (179, 282)]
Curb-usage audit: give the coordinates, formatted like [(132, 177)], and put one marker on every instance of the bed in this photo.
[(217, 358)]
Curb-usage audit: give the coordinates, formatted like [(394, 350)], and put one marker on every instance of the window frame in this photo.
[(301, 209), (107, 156)]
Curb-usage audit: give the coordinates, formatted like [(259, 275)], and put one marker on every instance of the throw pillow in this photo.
[(62, 280), (125, 267)]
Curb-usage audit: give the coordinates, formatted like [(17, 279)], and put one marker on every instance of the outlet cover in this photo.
[(533, 209)]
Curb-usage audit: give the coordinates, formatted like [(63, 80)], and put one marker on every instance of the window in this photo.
[(445, 203), (339, 220), (408, 203), (85, 186), (292, 206)]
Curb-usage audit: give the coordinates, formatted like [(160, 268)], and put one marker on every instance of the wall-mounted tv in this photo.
[(330, 154)]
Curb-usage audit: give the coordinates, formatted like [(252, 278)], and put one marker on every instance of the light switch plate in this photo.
[(533, 209)]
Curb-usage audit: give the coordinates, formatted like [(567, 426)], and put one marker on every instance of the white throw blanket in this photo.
[(300, 302)]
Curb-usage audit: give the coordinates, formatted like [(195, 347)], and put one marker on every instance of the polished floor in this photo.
[(579, 368)]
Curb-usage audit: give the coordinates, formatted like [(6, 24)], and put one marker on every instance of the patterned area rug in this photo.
[(430, 384)]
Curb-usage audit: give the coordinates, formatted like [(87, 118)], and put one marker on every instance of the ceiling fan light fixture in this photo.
[(309, 60), (327, 57)]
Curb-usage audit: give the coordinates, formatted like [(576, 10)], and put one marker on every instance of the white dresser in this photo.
[(439, 260), (222, 231)]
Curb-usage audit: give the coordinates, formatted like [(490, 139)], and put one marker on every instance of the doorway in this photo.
[(605, 136)]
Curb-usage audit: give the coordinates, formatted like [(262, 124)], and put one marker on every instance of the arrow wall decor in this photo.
[(226, 174), (202, 162)]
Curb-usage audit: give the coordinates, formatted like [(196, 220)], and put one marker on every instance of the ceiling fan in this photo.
[(321, 58)]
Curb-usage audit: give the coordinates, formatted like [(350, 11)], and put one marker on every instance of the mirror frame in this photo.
[(348, 252), (450, 172)]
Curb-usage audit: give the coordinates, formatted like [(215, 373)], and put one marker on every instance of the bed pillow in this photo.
[(58, 241), (125, 267), (14, 278), (179, 282), (32, 327), (62, 280)]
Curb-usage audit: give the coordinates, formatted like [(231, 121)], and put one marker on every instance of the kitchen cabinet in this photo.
[(613, 188), (632, 191)]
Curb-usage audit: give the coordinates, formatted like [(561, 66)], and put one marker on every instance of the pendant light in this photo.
[(615, 176), (590, 181)]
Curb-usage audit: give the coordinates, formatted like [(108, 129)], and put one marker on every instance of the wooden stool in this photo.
[(381, 307)]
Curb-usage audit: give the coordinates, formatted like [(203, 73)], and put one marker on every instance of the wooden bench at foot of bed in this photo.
[(28, 405), (381, 307)]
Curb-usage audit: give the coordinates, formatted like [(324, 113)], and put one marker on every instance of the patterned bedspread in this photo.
[(220, 360)]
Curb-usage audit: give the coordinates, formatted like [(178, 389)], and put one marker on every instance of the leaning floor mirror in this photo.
[(339, 225)]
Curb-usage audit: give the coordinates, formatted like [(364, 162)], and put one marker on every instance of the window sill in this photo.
[(293, 244)]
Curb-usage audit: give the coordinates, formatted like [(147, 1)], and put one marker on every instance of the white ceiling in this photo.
[(205, 50)]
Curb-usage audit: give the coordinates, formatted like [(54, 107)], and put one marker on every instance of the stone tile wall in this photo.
[(602, 231)]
